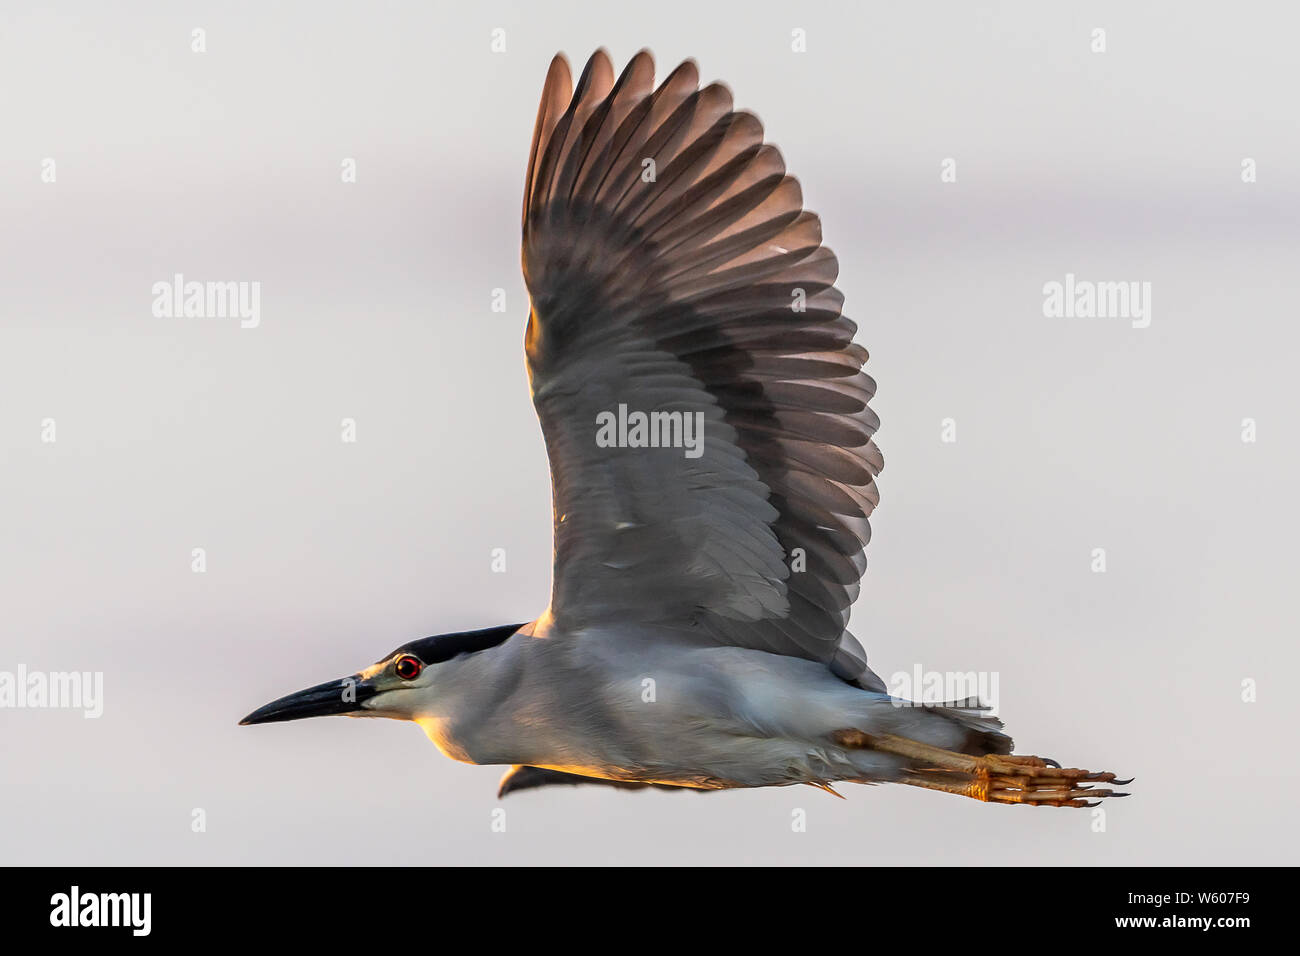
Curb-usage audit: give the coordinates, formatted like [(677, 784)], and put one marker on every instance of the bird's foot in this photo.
[(995, 778), (1021, 779)]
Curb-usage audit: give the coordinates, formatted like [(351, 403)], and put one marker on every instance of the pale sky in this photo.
[(1072, 434)]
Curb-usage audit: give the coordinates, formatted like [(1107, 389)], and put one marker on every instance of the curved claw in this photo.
[(1050, 762), (1124, 783)]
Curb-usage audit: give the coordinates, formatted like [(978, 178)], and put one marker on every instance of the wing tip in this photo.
[(558, 69)]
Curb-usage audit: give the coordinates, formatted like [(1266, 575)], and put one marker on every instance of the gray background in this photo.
[(1072, 433)]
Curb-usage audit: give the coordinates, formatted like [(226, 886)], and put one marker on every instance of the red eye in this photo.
[(408, 667)]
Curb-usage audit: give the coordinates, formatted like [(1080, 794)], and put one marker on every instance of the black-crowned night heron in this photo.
[(705, 414)]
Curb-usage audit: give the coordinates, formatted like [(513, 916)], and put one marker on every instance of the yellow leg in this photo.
[(993, 778)]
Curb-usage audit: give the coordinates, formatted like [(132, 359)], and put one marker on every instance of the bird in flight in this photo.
[(705, 412)]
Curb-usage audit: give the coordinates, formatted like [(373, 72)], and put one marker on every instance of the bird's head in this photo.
[(399, 685)]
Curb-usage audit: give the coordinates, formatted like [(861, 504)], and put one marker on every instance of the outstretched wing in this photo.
[(678, 283)]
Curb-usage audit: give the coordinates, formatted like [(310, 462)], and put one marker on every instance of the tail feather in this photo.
[(984, 731)]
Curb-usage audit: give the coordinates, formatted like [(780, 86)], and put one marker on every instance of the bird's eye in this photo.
[(408, 667)]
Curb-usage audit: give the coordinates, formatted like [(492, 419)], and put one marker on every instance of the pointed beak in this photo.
[(324, 700)]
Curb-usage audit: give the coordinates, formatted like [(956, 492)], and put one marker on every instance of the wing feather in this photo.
[(673, 270)]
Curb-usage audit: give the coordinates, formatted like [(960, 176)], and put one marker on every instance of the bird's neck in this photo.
[(472, 703)]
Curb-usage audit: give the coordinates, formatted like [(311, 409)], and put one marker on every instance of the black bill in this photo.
[(324, 700)]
